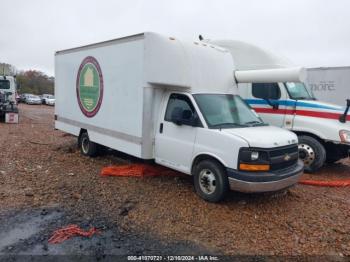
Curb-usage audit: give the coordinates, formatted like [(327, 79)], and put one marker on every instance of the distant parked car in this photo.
[(49, 100), (22, 98), (33, 100), (43, 97)]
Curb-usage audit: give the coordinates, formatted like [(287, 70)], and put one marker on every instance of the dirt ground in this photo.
[(46, 183)]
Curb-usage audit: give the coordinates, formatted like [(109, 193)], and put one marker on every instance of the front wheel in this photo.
[(210, 181), (312, 153), (87, 147)]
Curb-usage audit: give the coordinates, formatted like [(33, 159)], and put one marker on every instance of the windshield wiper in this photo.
[(227, 124), (256, 123)]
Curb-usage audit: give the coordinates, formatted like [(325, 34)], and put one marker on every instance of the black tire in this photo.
[(87, 147), (220, 183), (312, 153)]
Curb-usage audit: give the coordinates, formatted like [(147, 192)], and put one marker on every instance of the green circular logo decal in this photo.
[(89, 86)]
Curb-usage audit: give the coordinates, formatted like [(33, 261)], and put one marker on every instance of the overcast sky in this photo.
[(308, 32)]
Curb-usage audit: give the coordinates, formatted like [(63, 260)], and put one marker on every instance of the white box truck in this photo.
[(275, 89), (156, 97)]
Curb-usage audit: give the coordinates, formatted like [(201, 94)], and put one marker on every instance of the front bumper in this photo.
[(258, 182)]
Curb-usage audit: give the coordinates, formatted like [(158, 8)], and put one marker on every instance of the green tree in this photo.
[(35, 82)]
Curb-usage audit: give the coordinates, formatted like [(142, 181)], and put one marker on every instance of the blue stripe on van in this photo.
[(291, 103)]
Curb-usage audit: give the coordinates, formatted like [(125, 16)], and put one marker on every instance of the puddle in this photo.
[(26, 233), (17, 228)]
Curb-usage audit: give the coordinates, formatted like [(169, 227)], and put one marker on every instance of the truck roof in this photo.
[(103, 43), (247, 56), (168, 62), (7, 77)]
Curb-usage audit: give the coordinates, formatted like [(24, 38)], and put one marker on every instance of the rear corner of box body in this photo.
[(100, 88)]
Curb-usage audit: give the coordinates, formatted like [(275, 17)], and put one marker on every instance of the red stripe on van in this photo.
[(300, 113)]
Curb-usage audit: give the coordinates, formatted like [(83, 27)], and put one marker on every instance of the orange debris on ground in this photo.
[(69, 231), (145, 170), (137, 170), (336, 183)]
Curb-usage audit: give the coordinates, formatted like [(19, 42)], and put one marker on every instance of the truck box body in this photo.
[(134, 70), (330, 84)]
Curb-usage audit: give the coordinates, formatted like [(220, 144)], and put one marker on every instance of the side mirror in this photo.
[(186, 117), (176, 116), (274, 105), (342, 118)]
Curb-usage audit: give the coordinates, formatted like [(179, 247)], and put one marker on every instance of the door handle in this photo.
[(161, 128)]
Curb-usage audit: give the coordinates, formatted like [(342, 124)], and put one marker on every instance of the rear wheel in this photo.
[(87, 147), (210, 181), (312, 153)]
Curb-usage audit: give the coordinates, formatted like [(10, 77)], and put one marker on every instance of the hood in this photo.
[(264, 136)]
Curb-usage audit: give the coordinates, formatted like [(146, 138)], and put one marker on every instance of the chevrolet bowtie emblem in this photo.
[(287, 157)]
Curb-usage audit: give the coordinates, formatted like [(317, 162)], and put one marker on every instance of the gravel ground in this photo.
[(41, 168)]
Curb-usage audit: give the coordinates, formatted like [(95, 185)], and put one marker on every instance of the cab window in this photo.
[(4, 84), (266, 90), (178, 102)]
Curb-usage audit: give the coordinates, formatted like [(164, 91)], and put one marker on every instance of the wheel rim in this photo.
[(306, 154), (207, 181), (85, 145)]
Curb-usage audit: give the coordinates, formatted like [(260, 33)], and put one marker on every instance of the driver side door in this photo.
[(269, 102), (174, 142)]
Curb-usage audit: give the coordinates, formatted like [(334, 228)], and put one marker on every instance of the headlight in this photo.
[(251, 159), (249, 155), (254, 155), (344, 136)]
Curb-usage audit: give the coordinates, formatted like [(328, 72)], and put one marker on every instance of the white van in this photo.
[(323, 128), (156, 97)]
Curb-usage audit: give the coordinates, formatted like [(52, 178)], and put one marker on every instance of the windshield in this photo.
[(299, 91), (4, 84), (226, 111)]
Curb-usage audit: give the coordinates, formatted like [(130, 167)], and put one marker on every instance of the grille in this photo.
[(283, 157)]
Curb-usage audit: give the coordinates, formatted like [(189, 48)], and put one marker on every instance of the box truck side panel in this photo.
[(117, 122), (330, 84)]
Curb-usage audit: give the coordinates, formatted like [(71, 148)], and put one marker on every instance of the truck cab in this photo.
[(323, 129), (8, 102), (322, 136), (8, 86), (199, 133)]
